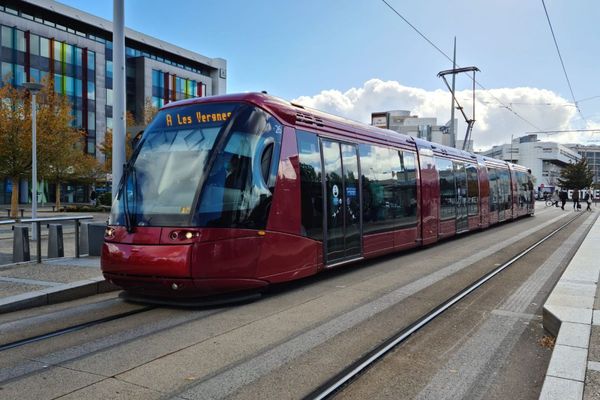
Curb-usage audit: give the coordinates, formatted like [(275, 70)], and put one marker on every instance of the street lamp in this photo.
[(33, 88)]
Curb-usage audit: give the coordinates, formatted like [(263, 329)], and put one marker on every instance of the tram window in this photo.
[(447, 188), (472, 190), (265, 162), (311, 193), (505, 190), (494, 195), (389, 188), (408, 184), (235, 193), (523, 192)]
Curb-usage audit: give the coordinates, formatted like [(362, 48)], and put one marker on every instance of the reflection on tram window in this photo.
[(311, 194), (472, 190), (235, 193), (447, 188), (505, 192), (494, 197), (389, 188), (524, 191)]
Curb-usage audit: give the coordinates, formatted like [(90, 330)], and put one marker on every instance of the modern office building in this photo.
[(44, 38), (426, 128), (545, 159), (592, 154)]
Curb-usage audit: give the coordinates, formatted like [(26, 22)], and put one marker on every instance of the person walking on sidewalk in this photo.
[(588, 200), (555, 198), (576, 205), (563, 198)]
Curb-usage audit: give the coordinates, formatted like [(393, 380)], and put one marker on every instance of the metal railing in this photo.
[(8, 222), (38, 222)]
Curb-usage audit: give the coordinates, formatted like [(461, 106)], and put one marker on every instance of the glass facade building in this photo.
[(40, 38)]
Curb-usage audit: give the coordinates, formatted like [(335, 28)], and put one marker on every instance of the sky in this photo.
[(354, 57)]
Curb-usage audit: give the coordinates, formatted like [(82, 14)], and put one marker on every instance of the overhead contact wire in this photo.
[(449, 59)]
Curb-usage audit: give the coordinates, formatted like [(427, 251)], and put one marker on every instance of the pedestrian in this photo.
[(588, 200), (576, 205), (93, 197), (563, 198), (555, 198)]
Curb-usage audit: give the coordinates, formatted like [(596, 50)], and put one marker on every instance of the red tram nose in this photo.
[(162, 255), (181, 262)]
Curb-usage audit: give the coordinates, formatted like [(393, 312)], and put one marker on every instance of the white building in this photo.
[(545, 159), (425, 128)]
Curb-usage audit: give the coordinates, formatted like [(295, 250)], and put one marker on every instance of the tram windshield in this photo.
[(227, 146)]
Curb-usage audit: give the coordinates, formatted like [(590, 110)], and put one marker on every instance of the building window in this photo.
[(7, 37)]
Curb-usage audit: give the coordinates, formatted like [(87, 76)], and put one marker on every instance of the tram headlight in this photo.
[(109, 232), (183, 235)]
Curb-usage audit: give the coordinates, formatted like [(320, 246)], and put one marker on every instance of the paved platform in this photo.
[(28, 284), (572, 314)]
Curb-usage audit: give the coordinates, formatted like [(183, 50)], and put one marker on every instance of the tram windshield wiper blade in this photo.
[(129, 217)]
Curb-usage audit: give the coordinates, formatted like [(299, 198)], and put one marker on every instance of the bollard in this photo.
[(95, 238), (83, 238), (55, 241), (21, 244)]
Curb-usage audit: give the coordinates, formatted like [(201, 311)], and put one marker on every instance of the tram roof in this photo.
[(306, 117), (301, 116)]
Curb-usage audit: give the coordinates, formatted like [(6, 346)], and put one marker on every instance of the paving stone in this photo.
[(576, 335), (561, 389), (568, 362)]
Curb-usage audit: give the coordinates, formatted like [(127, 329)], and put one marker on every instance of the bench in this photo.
[(20, 209)]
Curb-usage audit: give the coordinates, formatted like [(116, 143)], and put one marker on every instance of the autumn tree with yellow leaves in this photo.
[(106, 146), (15, 139), (60, 155)]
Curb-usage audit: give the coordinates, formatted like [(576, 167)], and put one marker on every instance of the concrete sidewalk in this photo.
[(28, 284), (572, 314)]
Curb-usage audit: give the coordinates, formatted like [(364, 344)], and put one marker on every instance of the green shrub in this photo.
[(105, 199)]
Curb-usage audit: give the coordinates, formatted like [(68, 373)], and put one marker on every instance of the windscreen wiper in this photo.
[(129, 219)]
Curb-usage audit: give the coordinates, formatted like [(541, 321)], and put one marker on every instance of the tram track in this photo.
[(72, 328), (353, 371)]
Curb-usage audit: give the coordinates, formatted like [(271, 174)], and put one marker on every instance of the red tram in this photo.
[(236, 192)]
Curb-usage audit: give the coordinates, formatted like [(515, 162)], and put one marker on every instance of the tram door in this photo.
[(342, 201), (460, 176)]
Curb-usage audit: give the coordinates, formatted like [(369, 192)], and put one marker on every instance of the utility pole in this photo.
[(118, 145), (470, 122), (452, 127)]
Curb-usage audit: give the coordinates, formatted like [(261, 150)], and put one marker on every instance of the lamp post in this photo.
[(33, 88)]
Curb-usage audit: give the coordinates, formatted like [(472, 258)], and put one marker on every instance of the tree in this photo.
[(15, 139), (60, 150), (149, 111), (576, 176), (133, 128), (106, 146)]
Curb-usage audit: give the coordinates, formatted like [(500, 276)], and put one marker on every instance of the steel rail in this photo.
[(73, 328), (349, 373)]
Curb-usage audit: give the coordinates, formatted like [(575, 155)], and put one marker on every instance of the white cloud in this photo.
[(495, 123)]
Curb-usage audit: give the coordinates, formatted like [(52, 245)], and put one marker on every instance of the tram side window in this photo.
[(506, 199), (388, 189), (472, 190), (494, 186), (408, 186), (311, 193), (524, 194), (447, 188)]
